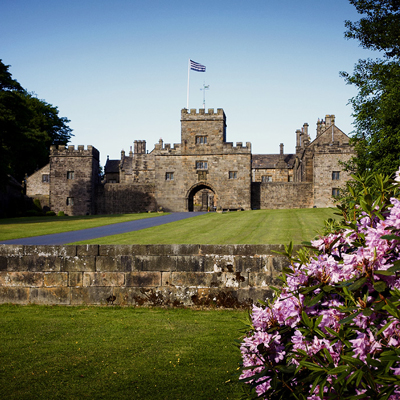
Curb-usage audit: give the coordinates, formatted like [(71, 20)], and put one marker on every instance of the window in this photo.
[(335, 175), (70, 201), (201, 139), (45, 178), (335, 192), (201, 164), (202, 175), (169, 176), (232, 175), (70, 175), (290, 178), (266, 178)]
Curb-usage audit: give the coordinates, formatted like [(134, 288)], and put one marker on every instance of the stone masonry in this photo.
[(203, 172), (153, 275)]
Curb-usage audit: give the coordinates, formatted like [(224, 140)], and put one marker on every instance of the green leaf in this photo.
[(306, 320), (338, 369), (380, 286), (311, 366), (368, 312), (316, 299), (358, 283), (349, 318)]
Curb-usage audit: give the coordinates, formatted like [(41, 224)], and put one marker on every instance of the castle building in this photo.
[(203, 172)]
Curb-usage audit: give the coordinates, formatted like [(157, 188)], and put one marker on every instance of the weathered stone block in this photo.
[(197, 279), (108, 264), (190, 263), (55, 279), (41, 263), (67, 251), (143, 279), (76, 264), (155, 263), (75, 279), (3, 263), (116, 250), (16, 295), (165, 278), (261, 279), (219, 263), (103, 279), (11, 250), (41, 250), (58, 295), (91, 295), (14, 263), (128, 263), (87, 250), (21, 279), (248, 263)]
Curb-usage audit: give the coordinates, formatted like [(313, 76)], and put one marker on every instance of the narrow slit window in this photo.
[(70, 175)]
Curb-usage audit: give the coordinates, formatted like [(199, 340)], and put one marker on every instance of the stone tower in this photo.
[(74, 175)]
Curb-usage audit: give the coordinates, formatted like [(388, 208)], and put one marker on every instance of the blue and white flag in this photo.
[(197, 67)]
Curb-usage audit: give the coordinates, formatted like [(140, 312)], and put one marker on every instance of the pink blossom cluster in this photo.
[(277, 337)]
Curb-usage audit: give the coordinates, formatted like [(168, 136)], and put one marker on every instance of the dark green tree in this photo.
[(376, 108), (28, 126)]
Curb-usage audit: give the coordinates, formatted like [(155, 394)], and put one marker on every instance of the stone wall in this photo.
[(151, 275), (38, 186), (74, 175), (113, 198), (276, 195)]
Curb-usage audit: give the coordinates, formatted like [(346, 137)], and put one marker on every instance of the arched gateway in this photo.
[(201, 197)]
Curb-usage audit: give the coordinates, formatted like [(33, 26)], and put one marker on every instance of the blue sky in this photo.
[(118, 69)]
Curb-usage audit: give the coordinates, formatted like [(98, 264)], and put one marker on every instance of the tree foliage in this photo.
[(380, 28), (28, 126), (376, 108)]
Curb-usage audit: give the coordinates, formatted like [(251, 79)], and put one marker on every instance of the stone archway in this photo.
[(201, 197)]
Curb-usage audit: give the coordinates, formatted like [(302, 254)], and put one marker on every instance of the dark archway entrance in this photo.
[(201, 198)]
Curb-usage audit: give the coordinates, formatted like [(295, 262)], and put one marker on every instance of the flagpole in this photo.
[(187, 101)]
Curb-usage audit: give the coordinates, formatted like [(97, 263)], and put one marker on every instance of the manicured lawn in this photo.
[(15, 228), (246, 227), (118, 353)]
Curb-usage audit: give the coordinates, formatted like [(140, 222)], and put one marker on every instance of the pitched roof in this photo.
[(261, 161), (112, 166)]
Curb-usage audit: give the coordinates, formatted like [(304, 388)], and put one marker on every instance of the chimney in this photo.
[(281, 149)]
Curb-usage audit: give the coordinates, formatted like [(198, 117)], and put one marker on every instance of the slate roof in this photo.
[(261, 161), (112, 166)]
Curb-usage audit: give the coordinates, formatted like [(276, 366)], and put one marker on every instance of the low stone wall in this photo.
[(151, 275)]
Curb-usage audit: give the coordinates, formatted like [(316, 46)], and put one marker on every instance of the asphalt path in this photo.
[(101, 231)]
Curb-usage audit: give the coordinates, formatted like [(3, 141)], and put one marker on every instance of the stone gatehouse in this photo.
[(202, 172)]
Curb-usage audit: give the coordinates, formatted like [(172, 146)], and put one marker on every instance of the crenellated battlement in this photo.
[(239, 148), (165, 148), (71, 151), (193, 115)]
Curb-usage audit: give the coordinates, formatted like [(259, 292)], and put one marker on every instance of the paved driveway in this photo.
[(101, 231)]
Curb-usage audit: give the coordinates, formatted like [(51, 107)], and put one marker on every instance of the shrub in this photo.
[(50, 213), (61, 214), (332, 331), (37, 205)]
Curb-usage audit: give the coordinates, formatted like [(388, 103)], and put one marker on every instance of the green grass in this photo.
[(246, 227), (118, 353), (15, 228)]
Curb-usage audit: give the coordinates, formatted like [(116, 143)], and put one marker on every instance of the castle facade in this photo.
[(203, 172)]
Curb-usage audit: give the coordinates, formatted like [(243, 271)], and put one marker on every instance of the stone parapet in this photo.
[(148, 275)]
